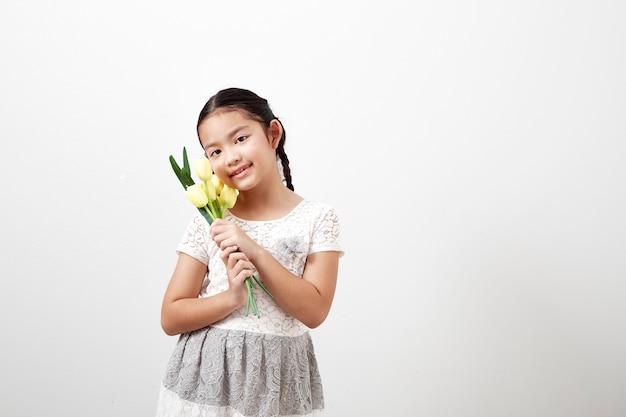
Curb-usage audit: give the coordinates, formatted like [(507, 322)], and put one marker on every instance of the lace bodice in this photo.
[(309, 228)]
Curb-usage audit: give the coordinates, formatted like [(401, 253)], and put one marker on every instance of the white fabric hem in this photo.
[(171, 405)]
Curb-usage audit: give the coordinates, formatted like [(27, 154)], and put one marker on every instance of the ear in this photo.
[(275, 132)]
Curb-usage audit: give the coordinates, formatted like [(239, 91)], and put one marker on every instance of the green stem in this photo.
[(262, 286), (217, 209), (254, 307), (251, 300), (247, 281), (206, 208)]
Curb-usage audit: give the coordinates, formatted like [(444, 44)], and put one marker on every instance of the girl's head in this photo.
[(254, 108)]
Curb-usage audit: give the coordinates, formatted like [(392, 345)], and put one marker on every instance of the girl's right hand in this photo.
[(238, 268)]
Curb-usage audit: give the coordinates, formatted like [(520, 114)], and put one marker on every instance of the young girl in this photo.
[(226, 363)]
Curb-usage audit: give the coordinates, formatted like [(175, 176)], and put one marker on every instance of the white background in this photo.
[(473, 150)]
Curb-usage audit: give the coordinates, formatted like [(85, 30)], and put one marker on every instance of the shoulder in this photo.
[(320, 215), (199, 223), (196, 239), (316, 209), (313, 205), (324, 227)]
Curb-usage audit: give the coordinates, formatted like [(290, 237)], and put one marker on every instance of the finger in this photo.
[(227, 252), (216, 223), (216, 228), (241, 276), (237, 261)]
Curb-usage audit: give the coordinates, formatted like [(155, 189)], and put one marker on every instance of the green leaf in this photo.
[(206, 215), (186, 167), (187, 179), (184, 173), (177, 171)]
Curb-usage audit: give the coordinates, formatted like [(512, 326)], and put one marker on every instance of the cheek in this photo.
[(218, 169)]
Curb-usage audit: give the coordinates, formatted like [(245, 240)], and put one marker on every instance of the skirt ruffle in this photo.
[(221, 372)]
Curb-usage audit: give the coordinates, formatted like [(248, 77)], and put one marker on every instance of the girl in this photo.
[(226, 363)]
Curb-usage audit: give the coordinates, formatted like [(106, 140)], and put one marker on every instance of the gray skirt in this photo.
[(222, 372)]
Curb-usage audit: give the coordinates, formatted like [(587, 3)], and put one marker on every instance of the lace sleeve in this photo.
[(194, 241), (326, 235)]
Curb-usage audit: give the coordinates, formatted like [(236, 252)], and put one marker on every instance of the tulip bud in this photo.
[(217, 183), (203, 168), (227, 197), (197, 195), (209, 189)]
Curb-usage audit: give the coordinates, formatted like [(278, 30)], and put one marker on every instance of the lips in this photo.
[(239, 170)]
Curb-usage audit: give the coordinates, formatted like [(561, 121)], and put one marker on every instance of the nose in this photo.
[(232, 157)]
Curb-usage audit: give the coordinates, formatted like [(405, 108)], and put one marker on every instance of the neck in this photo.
[(269, 203)]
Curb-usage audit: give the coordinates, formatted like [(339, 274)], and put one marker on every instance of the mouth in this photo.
[(240, 170)]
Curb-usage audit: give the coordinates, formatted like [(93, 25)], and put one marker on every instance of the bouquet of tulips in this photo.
[(212, 198)]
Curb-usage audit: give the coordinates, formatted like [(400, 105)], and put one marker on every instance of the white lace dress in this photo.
[(251, 366)]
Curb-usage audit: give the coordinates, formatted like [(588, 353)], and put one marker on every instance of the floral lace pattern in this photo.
[(251, 366), (310, 227), (217, 372)]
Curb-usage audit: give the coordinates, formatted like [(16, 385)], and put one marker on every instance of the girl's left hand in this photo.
[(225, 234), (238, 268)]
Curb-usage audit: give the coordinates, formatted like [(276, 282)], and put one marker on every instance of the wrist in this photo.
[(257, 254), (236, 297)]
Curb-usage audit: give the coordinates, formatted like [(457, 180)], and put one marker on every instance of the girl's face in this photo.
[(242, 151)]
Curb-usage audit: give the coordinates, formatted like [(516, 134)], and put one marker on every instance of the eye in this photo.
[(214, 153), (241, 139)]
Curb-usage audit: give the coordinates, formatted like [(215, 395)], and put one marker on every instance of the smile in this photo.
[(240, 170)]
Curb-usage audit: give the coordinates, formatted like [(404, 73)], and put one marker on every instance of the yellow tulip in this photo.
[(203, 169), (197, 195), (227, 197), (203, 196), (217, 183), (209, 188)]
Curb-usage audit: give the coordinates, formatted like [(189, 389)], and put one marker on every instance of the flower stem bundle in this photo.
[(212, 198)]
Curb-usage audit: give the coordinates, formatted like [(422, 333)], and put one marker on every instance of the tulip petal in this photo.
[(228, 197), (197, 195), (203, 168), (210, 190), (217, 183)]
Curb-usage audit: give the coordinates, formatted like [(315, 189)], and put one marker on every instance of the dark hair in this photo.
[(256, 108)]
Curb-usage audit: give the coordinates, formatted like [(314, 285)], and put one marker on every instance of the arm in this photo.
[(308, 298), (182, 311)]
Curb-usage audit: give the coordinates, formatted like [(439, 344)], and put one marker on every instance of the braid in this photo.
[(284, 160), (285, 163)]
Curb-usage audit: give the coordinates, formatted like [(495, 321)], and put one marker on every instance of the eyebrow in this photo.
[(230, 134)]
